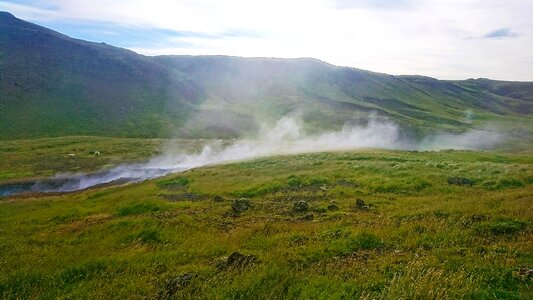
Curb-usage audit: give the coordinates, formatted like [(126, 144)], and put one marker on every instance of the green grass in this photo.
[(38, 158), (419, 238)]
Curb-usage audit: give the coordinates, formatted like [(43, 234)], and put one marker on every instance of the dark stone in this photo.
[(333, 207), (479, 218), (300, 206), (218, 198), (460, 181), (308, 217), (176, 284), (241, 205), (525, 272), (239, 260), (361, 205)]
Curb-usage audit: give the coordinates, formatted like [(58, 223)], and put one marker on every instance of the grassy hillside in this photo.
[(52, 85), (259, 89), (372, 224)]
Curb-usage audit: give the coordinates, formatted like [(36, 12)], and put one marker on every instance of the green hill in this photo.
[(53, 85)]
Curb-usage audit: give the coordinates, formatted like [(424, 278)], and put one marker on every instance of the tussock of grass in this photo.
[(503, 227)]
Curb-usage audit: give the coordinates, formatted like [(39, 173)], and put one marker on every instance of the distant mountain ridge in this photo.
[(52, 85)]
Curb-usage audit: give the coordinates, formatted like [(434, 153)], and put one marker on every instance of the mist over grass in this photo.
[(286, 136)]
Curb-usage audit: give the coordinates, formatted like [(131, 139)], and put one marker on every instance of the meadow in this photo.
[(370, 224)]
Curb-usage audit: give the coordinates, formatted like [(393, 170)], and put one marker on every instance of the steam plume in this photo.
[(285, 137)]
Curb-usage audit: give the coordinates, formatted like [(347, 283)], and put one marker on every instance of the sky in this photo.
[(446, 39)]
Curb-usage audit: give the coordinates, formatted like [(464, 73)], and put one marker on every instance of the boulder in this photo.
[(241, 205), (361, 205), (300, 206), (239, 260)]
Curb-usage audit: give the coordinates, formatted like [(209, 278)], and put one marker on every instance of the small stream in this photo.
[(74, 182)]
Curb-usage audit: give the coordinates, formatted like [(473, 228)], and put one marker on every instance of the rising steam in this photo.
[(285, 137)]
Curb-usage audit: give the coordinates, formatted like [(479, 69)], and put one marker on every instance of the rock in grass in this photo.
[(479, 218), (333, 207), (525, 272), (361, 205), (218, 198), (308, 217), (241, 205), (460, 181), (300, 206), (175, 284), (239, 260)]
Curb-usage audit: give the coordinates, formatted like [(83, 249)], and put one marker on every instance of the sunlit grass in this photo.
[(418, 236)]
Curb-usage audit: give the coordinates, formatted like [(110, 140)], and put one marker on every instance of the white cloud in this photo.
[(429, 37)]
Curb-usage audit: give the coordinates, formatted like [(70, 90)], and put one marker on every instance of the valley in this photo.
[(222, 177)]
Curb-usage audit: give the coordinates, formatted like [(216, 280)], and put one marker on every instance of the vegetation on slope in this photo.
[(375, 224), (53, 85)]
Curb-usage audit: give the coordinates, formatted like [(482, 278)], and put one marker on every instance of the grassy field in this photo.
[(368, 224), (39, 158)]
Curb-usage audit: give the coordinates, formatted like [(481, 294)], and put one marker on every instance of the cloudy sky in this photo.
[(447, 39)]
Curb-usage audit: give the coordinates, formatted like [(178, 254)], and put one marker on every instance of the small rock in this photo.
[(239, 260), (308, 217), (174, 285), (479, 218), (241, 205), (525, 272), (361, 205), (218, 199), (333, 207), (300, 206)]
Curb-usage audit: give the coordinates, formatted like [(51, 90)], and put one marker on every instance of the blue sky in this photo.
[(448, 39)]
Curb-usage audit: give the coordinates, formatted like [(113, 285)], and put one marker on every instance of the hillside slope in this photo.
[(53, 85), (329, 96)]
